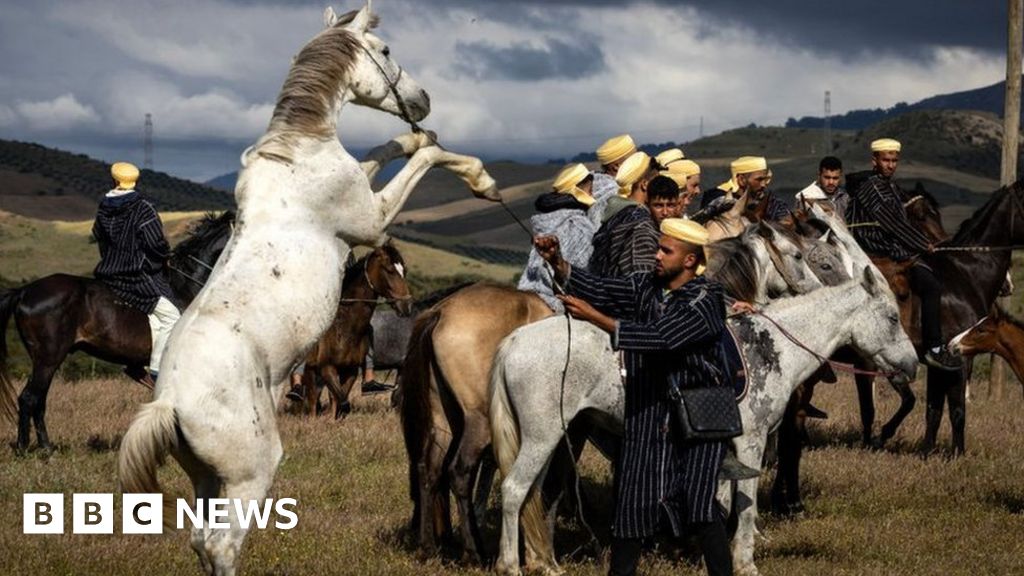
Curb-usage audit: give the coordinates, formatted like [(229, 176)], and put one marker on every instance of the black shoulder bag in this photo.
[(706, 413)]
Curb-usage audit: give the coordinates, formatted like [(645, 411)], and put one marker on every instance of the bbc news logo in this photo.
[(144, 513)]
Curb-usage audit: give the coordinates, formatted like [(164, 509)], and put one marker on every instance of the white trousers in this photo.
[(161, 321)]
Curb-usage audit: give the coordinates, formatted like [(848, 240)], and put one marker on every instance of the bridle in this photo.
[(381, 296)]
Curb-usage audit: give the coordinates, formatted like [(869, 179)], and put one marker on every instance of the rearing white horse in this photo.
[(303, 201)]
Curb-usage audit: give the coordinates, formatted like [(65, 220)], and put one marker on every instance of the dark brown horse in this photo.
[(336, 358), (61, 314), (972, 281)]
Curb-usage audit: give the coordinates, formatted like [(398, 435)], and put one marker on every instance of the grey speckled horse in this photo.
[(527, 390)]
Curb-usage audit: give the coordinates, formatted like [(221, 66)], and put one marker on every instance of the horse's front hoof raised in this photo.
[(485, 187)]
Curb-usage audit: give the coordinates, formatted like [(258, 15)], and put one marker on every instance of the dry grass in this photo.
[(869, 512)]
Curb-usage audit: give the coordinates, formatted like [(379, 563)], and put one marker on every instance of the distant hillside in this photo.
[(987, 99), (52, 184)]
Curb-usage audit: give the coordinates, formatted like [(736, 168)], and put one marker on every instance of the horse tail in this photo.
[(505, 442), (8, 405), (143, 449), (416, 412)]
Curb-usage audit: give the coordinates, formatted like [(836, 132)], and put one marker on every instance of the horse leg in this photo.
[(749, 451), (206, 485), (434, 516), (32, 405), (311, 394), (866, 399), (907, 402), (521, 480), (933, 413), (332, 381), (346, 378), (391, 198), (485, 478), (223, 546), (786, 487), (476, 435), (956, 398)]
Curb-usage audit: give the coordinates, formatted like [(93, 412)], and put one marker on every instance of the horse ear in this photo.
[(362, 22), (869, 282), (330, 18), (765, 231)]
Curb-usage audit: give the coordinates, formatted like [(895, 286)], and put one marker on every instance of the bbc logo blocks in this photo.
[(93, 514)]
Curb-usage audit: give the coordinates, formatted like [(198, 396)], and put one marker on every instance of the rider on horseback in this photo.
[(879, 224), (133, 254)]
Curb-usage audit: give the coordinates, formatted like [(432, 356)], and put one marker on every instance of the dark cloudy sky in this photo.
[(528, 79)]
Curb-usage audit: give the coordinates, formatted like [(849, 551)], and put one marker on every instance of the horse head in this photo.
[(375, 80), (192, 260), (876, 331), (826, 257), (385, 271), (780, 261), (923, 211)]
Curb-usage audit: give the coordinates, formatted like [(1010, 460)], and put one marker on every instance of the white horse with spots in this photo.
[(303, 201), (527, 390)]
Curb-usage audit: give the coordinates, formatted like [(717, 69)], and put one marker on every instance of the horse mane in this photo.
[(201, 233), (738, 272), (979, 221), (310, 92), (919, 190)]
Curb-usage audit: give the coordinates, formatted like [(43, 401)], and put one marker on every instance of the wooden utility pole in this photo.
[(1011, 136)]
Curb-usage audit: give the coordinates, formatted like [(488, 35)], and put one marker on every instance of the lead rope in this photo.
[(843, 367), (403, 109)]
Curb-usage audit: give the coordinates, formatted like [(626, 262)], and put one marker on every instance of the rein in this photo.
[(404, 111), (841, 366), (393, 86)]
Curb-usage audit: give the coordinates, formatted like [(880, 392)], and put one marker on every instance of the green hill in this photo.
[(52, 184)]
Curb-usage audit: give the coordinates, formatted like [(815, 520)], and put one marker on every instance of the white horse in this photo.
[(527, 389), (303, 201)]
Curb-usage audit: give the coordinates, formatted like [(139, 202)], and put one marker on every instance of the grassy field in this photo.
[(888, 512)]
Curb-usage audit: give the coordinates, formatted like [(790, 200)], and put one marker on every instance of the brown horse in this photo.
[(998, 333), (337, 357), (60, 314)]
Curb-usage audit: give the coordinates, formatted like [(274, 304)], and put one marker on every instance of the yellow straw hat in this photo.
[(669, 156), (687, 231), (886, 145), (615, 149), (748, 164), (568, 181), (680, 171), (686, 165), (125, 174), (631, 170)]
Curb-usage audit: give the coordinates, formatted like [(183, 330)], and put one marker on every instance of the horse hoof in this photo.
[(507, 569), (749, 570), (485, 187)]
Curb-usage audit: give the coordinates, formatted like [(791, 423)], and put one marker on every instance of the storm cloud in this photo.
[(508, 79)]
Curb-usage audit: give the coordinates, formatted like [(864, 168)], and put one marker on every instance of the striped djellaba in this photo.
[(674, 334), (133, 250)]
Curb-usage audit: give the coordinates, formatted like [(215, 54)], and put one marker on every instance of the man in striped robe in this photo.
[(879, 224), (669, 324), (133, 253), (627, 240)]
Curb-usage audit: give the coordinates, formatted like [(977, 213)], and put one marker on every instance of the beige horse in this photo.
[(444, 400)]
